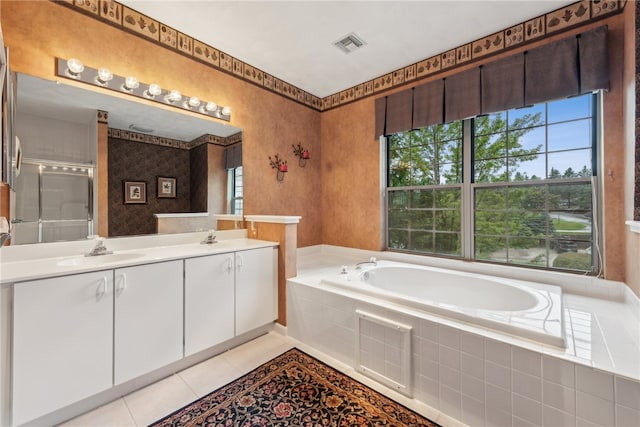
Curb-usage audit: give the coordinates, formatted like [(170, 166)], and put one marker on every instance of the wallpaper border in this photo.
[(538, 28)]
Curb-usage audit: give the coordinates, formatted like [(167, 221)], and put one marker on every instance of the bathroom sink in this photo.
[(97, 260)]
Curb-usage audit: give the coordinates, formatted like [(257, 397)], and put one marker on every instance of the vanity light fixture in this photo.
[(302, 154), (280, 166), (104, 76), (74, 69), (130, 83), (152, 91)]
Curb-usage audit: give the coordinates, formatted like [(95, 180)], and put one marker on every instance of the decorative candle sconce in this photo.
[(302, 154), (280, 166)]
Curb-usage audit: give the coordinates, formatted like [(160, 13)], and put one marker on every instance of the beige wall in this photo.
[(338, 192)]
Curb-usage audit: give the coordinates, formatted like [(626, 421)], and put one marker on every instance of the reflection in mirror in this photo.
[(63, 130)]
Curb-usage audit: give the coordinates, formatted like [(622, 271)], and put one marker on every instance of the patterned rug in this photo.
[(294, 389)]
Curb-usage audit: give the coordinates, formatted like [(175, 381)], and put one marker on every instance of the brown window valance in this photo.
[(570, 66), (232, 157)]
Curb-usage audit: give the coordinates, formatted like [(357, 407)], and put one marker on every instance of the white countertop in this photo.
[(14, 270)]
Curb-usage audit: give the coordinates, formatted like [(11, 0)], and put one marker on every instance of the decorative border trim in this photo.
[(118, 15), (173, 143)]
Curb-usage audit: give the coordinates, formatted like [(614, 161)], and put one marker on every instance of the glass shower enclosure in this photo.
[(54, 202)]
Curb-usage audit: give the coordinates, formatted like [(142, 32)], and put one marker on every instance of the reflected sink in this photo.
[(97, 260)]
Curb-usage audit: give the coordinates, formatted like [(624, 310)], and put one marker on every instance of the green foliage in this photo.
[(568, 225), (429, 220), (573, 261)]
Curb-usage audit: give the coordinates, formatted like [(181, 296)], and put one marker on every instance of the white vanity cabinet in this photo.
[(256, 288), (62, 342), (208, 301), (148, 318)]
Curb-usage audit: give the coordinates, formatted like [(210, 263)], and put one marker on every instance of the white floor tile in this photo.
[(209, 375), (114, 414), (159, 399)]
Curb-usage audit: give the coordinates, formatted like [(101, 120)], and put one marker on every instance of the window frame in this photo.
[(469, 186)]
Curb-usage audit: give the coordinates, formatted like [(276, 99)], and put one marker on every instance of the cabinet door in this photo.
[(148, 318), (62, 342), (208, 304), (256, 288)]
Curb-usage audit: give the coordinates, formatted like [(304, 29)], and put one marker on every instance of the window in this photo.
[(234, 190), (520, 180), (425, 186)]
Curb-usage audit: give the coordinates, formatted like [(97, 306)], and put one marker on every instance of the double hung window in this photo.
[(512, 187)]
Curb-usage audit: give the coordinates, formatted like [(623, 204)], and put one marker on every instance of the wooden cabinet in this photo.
[(208, 301), (148, 318), (62, 342), (256, 288)]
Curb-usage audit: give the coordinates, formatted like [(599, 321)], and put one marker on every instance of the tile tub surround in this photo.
[(480, 377)]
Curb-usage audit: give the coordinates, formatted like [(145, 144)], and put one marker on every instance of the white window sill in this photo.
[(634, 226)]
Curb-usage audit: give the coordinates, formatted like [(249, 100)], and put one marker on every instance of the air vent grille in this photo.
[(350, 43)]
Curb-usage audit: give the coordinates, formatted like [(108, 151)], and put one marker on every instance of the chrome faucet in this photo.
[(4, 237), (211, 238), (99, 249), (371, 261)]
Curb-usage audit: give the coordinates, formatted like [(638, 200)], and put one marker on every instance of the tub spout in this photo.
[(371, 261), (3, 238)]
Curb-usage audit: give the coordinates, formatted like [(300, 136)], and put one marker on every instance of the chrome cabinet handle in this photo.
[(238, 262), (101, 290), (229, 265), (122, 284)]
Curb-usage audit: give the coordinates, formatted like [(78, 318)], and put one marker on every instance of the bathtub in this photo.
[(523, 309)]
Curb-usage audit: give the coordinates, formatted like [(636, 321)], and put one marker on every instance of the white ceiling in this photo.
[(293, 40)]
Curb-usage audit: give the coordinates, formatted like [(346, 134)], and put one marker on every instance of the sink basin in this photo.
[(97, 260)]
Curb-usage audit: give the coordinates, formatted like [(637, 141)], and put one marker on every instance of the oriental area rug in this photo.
[(294, 389)]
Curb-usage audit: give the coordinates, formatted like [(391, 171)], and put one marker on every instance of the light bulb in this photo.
[(130, 83), (211, 106), (153, 91), (104, 76), (192, 102), (226, 111), (74, 68), (173, 96)]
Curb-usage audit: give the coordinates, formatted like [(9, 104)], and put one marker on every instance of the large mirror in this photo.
[(175, 162)]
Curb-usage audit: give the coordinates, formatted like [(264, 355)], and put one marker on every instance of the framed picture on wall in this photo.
[(135, 192), (167, 187)]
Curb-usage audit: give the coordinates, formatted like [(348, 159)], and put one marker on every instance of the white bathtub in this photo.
[(524, 309)]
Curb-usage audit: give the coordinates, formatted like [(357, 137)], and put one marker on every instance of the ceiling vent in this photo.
[(350, 43)]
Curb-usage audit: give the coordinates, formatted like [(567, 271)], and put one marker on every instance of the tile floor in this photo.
[(153, 402)]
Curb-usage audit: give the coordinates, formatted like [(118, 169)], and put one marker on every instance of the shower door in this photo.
[(54, 202)]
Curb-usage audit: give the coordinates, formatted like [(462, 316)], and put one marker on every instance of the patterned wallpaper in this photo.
[(636, 204), (139, 161), (199, 178), (573, 15)]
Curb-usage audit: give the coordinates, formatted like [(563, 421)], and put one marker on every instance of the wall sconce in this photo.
[(74, 69), (280, 166), (302, 154)]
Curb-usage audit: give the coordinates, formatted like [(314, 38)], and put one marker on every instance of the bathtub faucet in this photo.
[(371, 261), (3, 238)]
